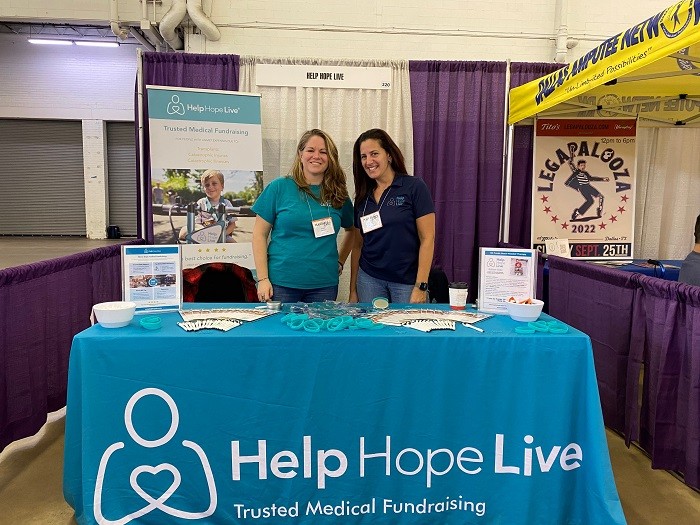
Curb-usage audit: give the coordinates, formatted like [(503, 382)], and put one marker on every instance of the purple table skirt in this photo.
[(42, 306)]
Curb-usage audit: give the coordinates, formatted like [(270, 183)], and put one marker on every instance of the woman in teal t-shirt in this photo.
[(302, 214)]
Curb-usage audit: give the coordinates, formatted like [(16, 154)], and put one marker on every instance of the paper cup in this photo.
[(458, 295)]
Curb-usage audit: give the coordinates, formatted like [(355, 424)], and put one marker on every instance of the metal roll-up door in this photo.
[(41, 177), (121, 176)]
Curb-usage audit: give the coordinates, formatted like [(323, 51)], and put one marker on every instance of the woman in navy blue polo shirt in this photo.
[(395, 216)]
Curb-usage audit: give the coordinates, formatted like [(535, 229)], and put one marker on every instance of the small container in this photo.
[(380, 303), (525, 312), (274, 305), (151, 322), (113, 232), (458, 295), (114, 314)]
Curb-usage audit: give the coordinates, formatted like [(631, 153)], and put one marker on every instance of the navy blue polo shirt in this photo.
[(391, 252)]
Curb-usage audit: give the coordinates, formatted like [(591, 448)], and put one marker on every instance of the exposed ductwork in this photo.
[(561, 15), (176, 14), (206, 26), (171, 19), (122, 33)]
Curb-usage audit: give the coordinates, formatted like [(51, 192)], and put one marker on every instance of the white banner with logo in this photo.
[(199, 128), (583, 186), (191, 133), (322, 76)]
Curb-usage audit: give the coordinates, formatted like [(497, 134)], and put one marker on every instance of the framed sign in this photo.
[(152, 277), (505, 273), (583, 186)]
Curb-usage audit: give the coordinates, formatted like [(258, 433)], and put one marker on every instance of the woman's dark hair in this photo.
[(363, 183)]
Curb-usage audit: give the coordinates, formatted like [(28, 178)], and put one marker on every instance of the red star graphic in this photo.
[(621, 209), (613, 218), (624, 198), (602, 225), (565, 225), (554, 218), (544, 198), (547, 209)]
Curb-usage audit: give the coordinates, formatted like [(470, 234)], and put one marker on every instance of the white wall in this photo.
[(66, 82), (96, 84), (521, 30)]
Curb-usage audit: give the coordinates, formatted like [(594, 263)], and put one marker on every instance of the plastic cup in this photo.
[(458, 295)]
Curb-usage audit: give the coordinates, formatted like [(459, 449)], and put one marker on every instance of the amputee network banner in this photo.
[(668, 32), (583, 186)]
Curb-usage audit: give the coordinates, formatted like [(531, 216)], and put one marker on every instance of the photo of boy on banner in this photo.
[(580, 180), (205, 206)]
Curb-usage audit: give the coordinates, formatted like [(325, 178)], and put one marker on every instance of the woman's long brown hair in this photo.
[(334, 189)]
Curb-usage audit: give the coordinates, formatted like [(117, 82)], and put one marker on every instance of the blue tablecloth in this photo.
[(264, 424)]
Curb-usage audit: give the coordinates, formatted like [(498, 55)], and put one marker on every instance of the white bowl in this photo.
[(114, 314), (525, 312)]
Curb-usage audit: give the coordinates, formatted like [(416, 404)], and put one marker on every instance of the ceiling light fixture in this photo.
[(49, 41), (66, 42), (94, 43)]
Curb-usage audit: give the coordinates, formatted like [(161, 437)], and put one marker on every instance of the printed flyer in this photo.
[(151, 277), (505, 273)]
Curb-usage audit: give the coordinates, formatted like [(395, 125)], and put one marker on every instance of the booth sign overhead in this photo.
[(650, 71)]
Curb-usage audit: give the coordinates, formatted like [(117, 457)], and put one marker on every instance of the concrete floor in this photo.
[(16, 251), (31, 492)]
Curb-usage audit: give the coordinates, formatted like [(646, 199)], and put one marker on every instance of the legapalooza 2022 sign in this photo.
[(583, 186)]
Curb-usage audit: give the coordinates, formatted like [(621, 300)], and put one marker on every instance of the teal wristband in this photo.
[(151, 322)]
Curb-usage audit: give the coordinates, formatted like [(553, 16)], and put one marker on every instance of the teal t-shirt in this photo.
[(295, 258)]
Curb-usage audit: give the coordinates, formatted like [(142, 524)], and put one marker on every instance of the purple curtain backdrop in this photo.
[(640, 326), (189, 70), (666, 342), (458, 112), (598, 301), (42, 306), (521, 182)]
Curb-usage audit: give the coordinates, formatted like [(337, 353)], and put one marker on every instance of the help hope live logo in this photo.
[(320, 464), (153, 504)]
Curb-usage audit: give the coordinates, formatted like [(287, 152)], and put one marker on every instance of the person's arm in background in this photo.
[(261, 231), (345, 247), (426, 236), (355, 263)]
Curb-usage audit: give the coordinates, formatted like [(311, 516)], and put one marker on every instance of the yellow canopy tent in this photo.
[(650, 71)]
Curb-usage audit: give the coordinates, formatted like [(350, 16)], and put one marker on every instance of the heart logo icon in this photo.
[(154, 472)]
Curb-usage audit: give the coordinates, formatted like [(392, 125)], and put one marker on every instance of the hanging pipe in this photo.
[(171, 19), (120, 32), (202, 21), (561, 15)]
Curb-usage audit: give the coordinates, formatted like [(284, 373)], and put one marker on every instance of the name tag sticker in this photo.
[(371, 222), (323, 227)]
